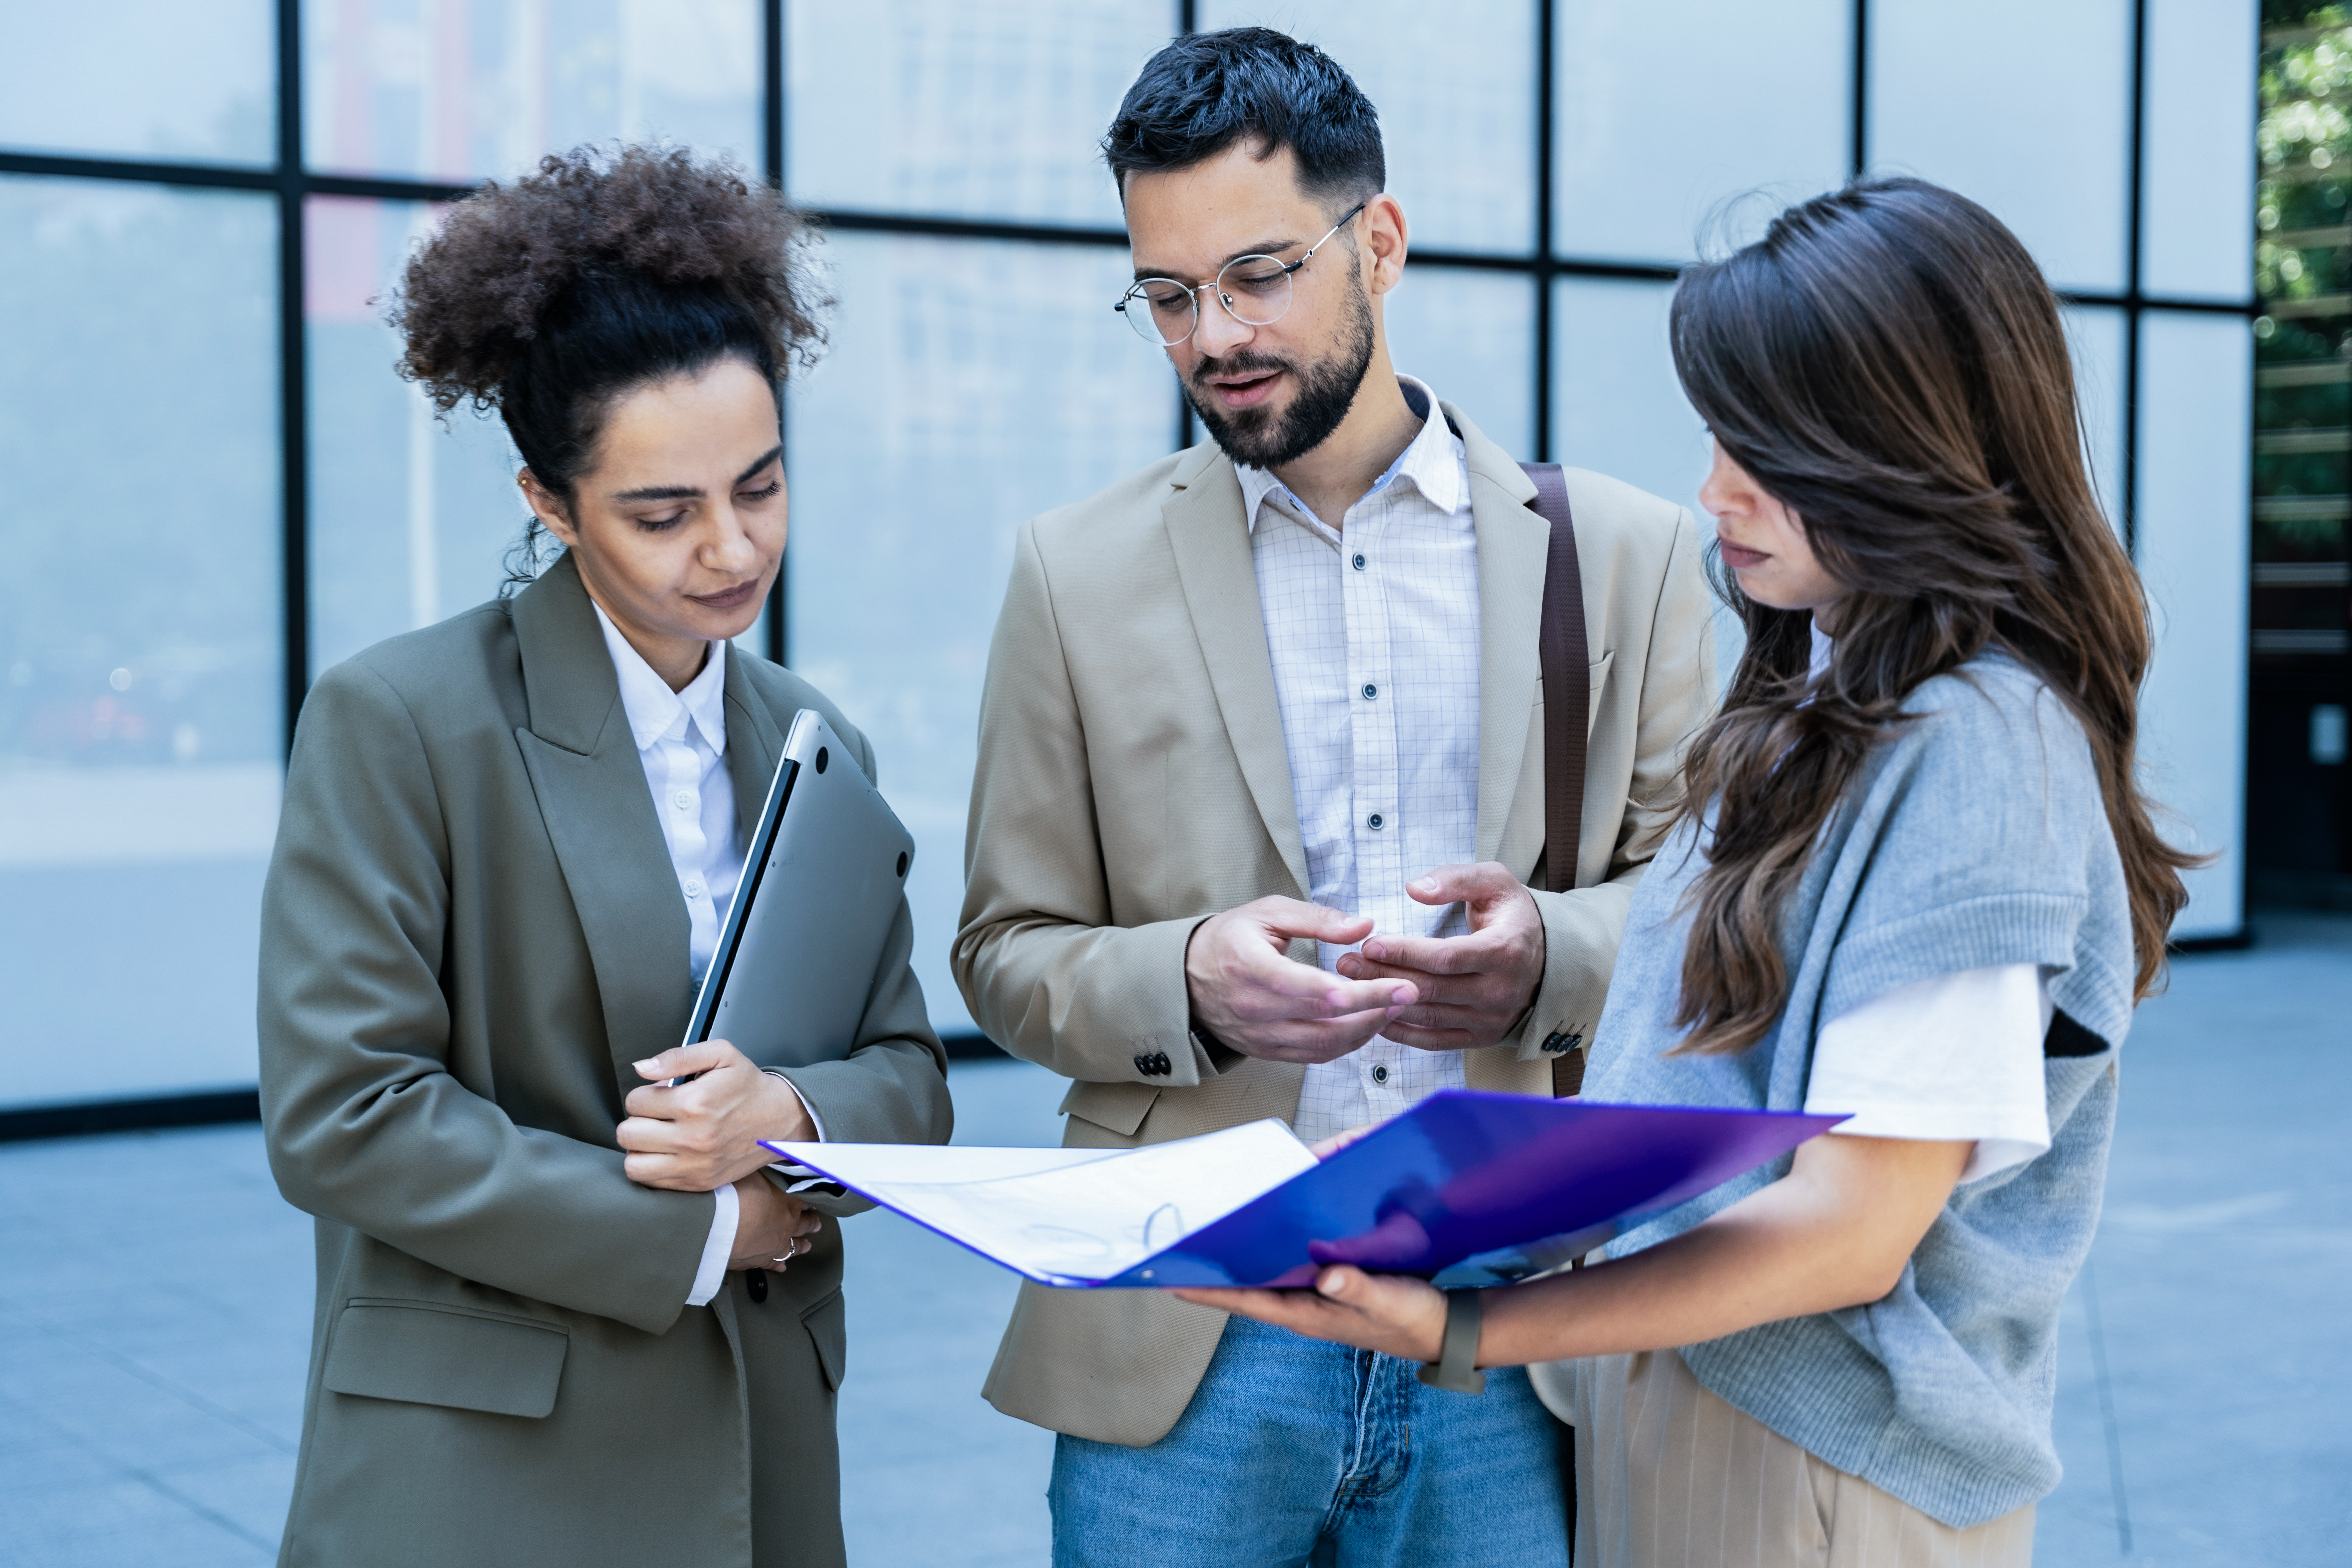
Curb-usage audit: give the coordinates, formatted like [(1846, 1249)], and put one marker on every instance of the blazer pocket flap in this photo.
[(1119, 1107), (827, 1323), (427, 1354), (1596, 677)]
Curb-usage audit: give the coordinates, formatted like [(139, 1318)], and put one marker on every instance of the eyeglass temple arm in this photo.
[(1327, 233)]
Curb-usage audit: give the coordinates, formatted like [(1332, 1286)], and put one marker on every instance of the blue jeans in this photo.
[(1299, 1452)]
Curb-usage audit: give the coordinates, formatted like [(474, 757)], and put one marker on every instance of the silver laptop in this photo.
[(820, 890)]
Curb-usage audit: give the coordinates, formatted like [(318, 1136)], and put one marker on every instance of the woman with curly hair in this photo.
[(1915, 883), (555, 1320)]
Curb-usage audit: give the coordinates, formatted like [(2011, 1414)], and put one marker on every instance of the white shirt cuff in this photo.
[(802, 1178), (717, 1249)]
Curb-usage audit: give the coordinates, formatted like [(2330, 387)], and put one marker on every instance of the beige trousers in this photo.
[(1669, 1476)]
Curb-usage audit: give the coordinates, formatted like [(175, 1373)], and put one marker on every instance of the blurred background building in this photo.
[(216, 487)]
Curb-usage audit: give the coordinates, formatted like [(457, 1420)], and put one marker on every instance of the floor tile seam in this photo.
[(162, 1487), (163, 1384)]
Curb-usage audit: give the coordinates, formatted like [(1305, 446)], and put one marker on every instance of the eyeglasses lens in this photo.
[(1253, 290)]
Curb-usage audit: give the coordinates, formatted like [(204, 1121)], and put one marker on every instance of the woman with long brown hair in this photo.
[(1915, 881)]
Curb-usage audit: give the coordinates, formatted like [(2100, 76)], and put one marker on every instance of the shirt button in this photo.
[(1370, 692), (683, 800), (1380, 1074), (1357, 561), (694, 887), (1375, 821)]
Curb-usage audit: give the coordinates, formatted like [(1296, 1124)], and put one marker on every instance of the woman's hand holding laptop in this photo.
[(703, 1133)]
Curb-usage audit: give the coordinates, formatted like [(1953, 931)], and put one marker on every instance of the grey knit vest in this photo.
[(1974, 837)]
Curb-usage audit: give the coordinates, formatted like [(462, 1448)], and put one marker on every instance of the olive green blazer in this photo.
[(471, 928)]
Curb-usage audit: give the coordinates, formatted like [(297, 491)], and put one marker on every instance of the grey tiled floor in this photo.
[(154, 1320)]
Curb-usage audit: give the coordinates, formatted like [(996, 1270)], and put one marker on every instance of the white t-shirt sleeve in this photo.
[(716, 1248), (1955, 1058)]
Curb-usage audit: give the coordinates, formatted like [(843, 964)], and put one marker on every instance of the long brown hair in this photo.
[(1887, 361)]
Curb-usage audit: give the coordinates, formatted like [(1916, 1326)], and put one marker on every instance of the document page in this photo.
[(1066, 1216)]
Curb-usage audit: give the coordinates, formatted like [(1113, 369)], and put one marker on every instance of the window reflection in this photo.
[(159, 80), (412, 514), (1471, 336), (140, 624), (956, 109), (463, 89), (960, 396)]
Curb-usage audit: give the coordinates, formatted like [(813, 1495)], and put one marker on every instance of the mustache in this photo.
[(1240, 363)]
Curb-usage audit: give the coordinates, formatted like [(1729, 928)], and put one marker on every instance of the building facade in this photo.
[(219, 487)]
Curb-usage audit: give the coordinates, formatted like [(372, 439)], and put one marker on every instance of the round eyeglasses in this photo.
[(1253, 290)]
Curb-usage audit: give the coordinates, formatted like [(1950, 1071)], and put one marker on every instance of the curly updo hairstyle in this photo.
[(552, 297)]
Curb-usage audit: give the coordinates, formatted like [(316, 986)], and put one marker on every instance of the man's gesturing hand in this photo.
[(1469, 990), (1254, 999)]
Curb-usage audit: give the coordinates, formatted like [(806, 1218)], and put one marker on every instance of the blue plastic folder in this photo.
[(1465, 1188)]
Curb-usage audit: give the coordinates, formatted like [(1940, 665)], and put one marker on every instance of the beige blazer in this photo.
[(1133, 780), (471, 928)]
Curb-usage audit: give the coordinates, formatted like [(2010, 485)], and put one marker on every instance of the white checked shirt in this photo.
[(1374, 632)]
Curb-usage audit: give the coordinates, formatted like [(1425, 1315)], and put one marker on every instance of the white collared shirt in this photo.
[(1373, 628)]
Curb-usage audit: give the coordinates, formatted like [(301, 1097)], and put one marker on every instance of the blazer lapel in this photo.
[(1513, 543), (755, 742), (584, 763), (1208, 530)]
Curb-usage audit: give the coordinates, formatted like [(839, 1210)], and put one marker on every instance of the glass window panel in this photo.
[(140, 620), (461, 90), (1649, 148), (2023, 105), (411, 516), (1456, 89), (1617, 406), (142, 79), (956, 110), (1471, 336), (962, 394), (2096, 335), (2196, 394), (2200, 183)]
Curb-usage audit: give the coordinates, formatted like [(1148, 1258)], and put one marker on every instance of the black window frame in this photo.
[(292, 183)]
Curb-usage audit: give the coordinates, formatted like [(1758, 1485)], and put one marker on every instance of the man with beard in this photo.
[(1259, 797)]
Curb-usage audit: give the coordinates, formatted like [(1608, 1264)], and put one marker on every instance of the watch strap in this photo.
[(1455, 1368)]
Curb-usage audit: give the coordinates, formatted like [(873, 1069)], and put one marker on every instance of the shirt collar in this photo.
[(654, 711), (1432, 460)]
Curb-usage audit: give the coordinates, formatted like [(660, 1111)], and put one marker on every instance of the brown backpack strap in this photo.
[(1568, 701)]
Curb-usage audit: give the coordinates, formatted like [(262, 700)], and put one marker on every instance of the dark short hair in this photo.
[(1208, 90)]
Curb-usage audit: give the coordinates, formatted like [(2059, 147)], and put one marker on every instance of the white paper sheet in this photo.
[(1067, 1215)]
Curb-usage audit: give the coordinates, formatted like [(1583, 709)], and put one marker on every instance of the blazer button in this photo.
[(755, 1284), (1161, 1064), (1557, 1043), (1144, 1066)]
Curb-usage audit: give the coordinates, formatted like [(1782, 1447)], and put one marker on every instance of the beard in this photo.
[(1263, 438)]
